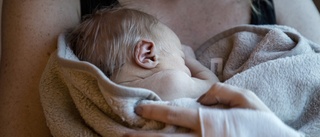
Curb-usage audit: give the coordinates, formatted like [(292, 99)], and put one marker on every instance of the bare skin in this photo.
[(178, 84), (30, 29), (302, 16), (191, 28), (178, 71)]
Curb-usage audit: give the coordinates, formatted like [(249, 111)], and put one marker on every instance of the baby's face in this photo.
[(173, 53)]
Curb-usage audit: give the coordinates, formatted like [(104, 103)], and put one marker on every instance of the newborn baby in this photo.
[(134, 49)]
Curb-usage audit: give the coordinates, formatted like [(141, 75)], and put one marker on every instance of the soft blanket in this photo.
[(275, 62), (278, 64)]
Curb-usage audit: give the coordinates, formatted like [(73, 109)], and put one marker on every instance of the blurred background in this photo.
[(317, 2)]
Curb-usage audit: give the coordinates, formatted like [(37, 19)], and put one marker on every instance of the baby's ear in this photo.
[(145, 54)]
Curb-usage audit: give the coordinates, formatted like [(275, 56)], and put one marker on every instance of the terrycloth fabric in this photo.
[(79, 100), (278, 64)]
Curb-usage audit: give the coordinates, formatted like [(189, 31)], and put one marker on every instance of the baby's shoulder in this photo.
[(171, 79)]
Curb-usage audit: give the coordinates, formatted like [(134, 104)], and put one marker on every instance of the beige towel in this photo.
[(278, 64)]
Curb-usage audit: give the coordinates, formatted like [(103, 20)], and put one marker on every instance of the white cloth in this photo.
[(243, 123)]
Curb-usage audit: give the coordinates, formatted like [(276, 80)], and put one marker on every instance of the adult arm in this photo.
[(29, 34), (301, 15)]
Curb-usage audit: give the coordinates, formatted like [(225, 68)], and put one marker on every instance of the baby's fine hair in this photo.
[(107, 38)]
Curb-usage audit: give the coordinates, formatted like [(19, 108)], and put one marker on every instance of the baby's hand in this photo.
[(188, 51), (196, 68)]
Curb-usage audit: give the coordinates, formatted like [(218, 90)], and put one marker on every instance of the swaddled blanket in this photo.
[(278, 64), (275, 62)]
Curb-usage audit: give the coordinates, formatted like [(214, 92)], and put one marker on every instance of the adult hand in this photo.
[(219, 93), (184, 117), (232, 97), (215, 122)]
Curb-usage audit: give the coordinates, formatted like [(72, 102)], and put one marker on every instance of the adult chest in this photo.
[(196, 21)]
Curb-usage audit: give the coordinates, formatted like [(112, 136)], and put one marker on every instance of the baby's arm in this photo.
[(177, 84), (173, 84), (198, 71), (181, 84)]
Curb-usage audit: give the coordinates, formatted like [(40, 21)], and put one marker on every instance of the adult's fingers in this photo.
[(149, 134), (221, 93), (233, 97), (179, 116)]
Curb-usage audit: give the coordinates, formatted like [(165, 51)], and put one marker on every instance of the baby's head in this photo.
[(111, 38)]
